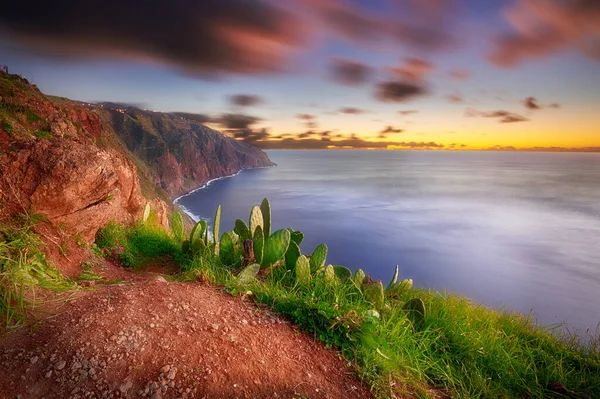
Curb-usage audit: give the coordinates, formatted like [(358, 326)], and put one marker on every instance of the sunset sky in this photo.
[(423, 74)]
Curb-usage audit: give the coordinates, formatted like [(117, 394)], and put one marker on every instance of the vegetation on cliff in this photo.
[(449, 346)]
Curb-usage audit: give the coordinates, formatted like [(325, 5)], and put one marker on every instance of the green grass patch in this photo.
[(8, 127), (137, 245), (43, 134), (24, 268)]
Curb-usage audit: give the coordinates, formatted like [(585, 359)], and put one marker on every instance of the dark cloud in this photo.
[(389, 130), (249, 136), (208, 37), (348, 72), (201, 118), (343, 142), (408, 112), (544, 27), (531, 103), (502, 116), (454, 98), (236, 121), (413, 69), (310, 121), (397, 91), (245, 100), (352, 110)]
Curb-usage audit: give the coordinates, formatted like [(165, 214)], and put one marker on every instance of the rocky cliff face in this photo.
[(84, 166), (181, 154)]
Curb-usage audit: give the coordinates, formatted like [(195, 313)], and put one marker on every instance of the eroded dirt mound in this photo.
[(173, 340)]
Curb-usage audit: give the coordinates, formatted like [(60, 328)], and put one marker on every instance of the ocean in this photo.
[(515, 230)]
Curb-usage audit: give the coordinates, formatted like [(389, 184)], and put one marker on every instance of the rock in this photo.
[(60, 365), (126, 386), (172, 373)]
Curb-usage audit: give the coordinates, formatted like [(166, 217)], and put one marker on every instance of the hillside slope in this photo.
[(82, 166)]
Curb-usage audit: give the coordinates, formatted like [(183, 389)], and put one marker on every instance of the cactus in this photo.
[(197, 246), (197, 231), (177, 226), (342, 273), (358, 278), (256, 219), (394, 279), (248, 275), (216, 227), (259, 244), (292, 255), (265, 209), (297, 237), (242, 230), (302, 270), (329, 274), (415, 309), (373, 292), (227, 250), (275, 247), (146, 213), (399, 287), (317, 259)]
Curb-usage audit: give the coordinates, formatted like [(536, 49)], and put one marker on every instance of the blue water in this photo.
[(520, 230)]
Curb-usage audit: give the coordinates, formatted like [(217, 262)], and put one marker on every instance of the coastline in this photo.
[(197, 218)]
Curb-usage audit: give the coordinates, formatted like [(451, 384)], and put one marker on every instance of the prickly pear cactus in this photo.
[(292, 255), (197, 232), (400, 287), (329, 274), (197, 246), (227, 251), (265, 209), (146, 212), (275, 247), (394, 279), (358, 278), (259, 244), (317, 259), (204, 231), (256, 219), (302, 270), (216, 227), (177, 226), (415, 309), (373, 292), (297, 237), (342, 273), (242, 230), (248, 275)]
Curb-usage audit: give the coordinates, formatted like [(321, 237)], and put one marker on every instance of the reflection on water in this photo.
[(508, 229)]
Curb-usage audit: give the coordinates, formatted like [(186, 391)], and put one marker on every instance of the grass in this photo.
[(24, 269), (463, 349)]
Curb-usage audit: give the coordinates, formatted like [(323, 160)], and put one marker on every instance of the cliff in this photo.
[(82, 166), (180, 153)]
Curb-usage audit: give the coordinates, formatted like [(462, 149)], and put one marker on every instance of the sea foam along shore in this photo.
[(197, 218)]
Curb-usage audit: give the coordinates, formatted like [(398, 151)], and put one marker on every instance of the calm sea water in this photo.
[(520, 230)]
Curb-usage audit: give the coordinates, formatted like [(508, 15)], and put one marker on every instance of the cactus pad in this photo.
[(373, 293), (302, 270), (265, 209), (318, 257), (177, 226), (256, 219), (400, 287), (342, 273), (292, 255), (329, 274), (227, 250), (241, 229), (275, 247), (146, 212), (259, 244), (394, 279), (248, 275), (216, 228), (297, 237), (358, 278)]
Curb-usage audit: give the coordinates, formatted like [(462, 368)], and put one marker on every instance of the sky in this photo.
[(314, 74)]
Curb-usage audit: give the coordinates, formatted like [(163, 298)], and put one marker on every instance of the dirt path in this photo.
[(151, 338)]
